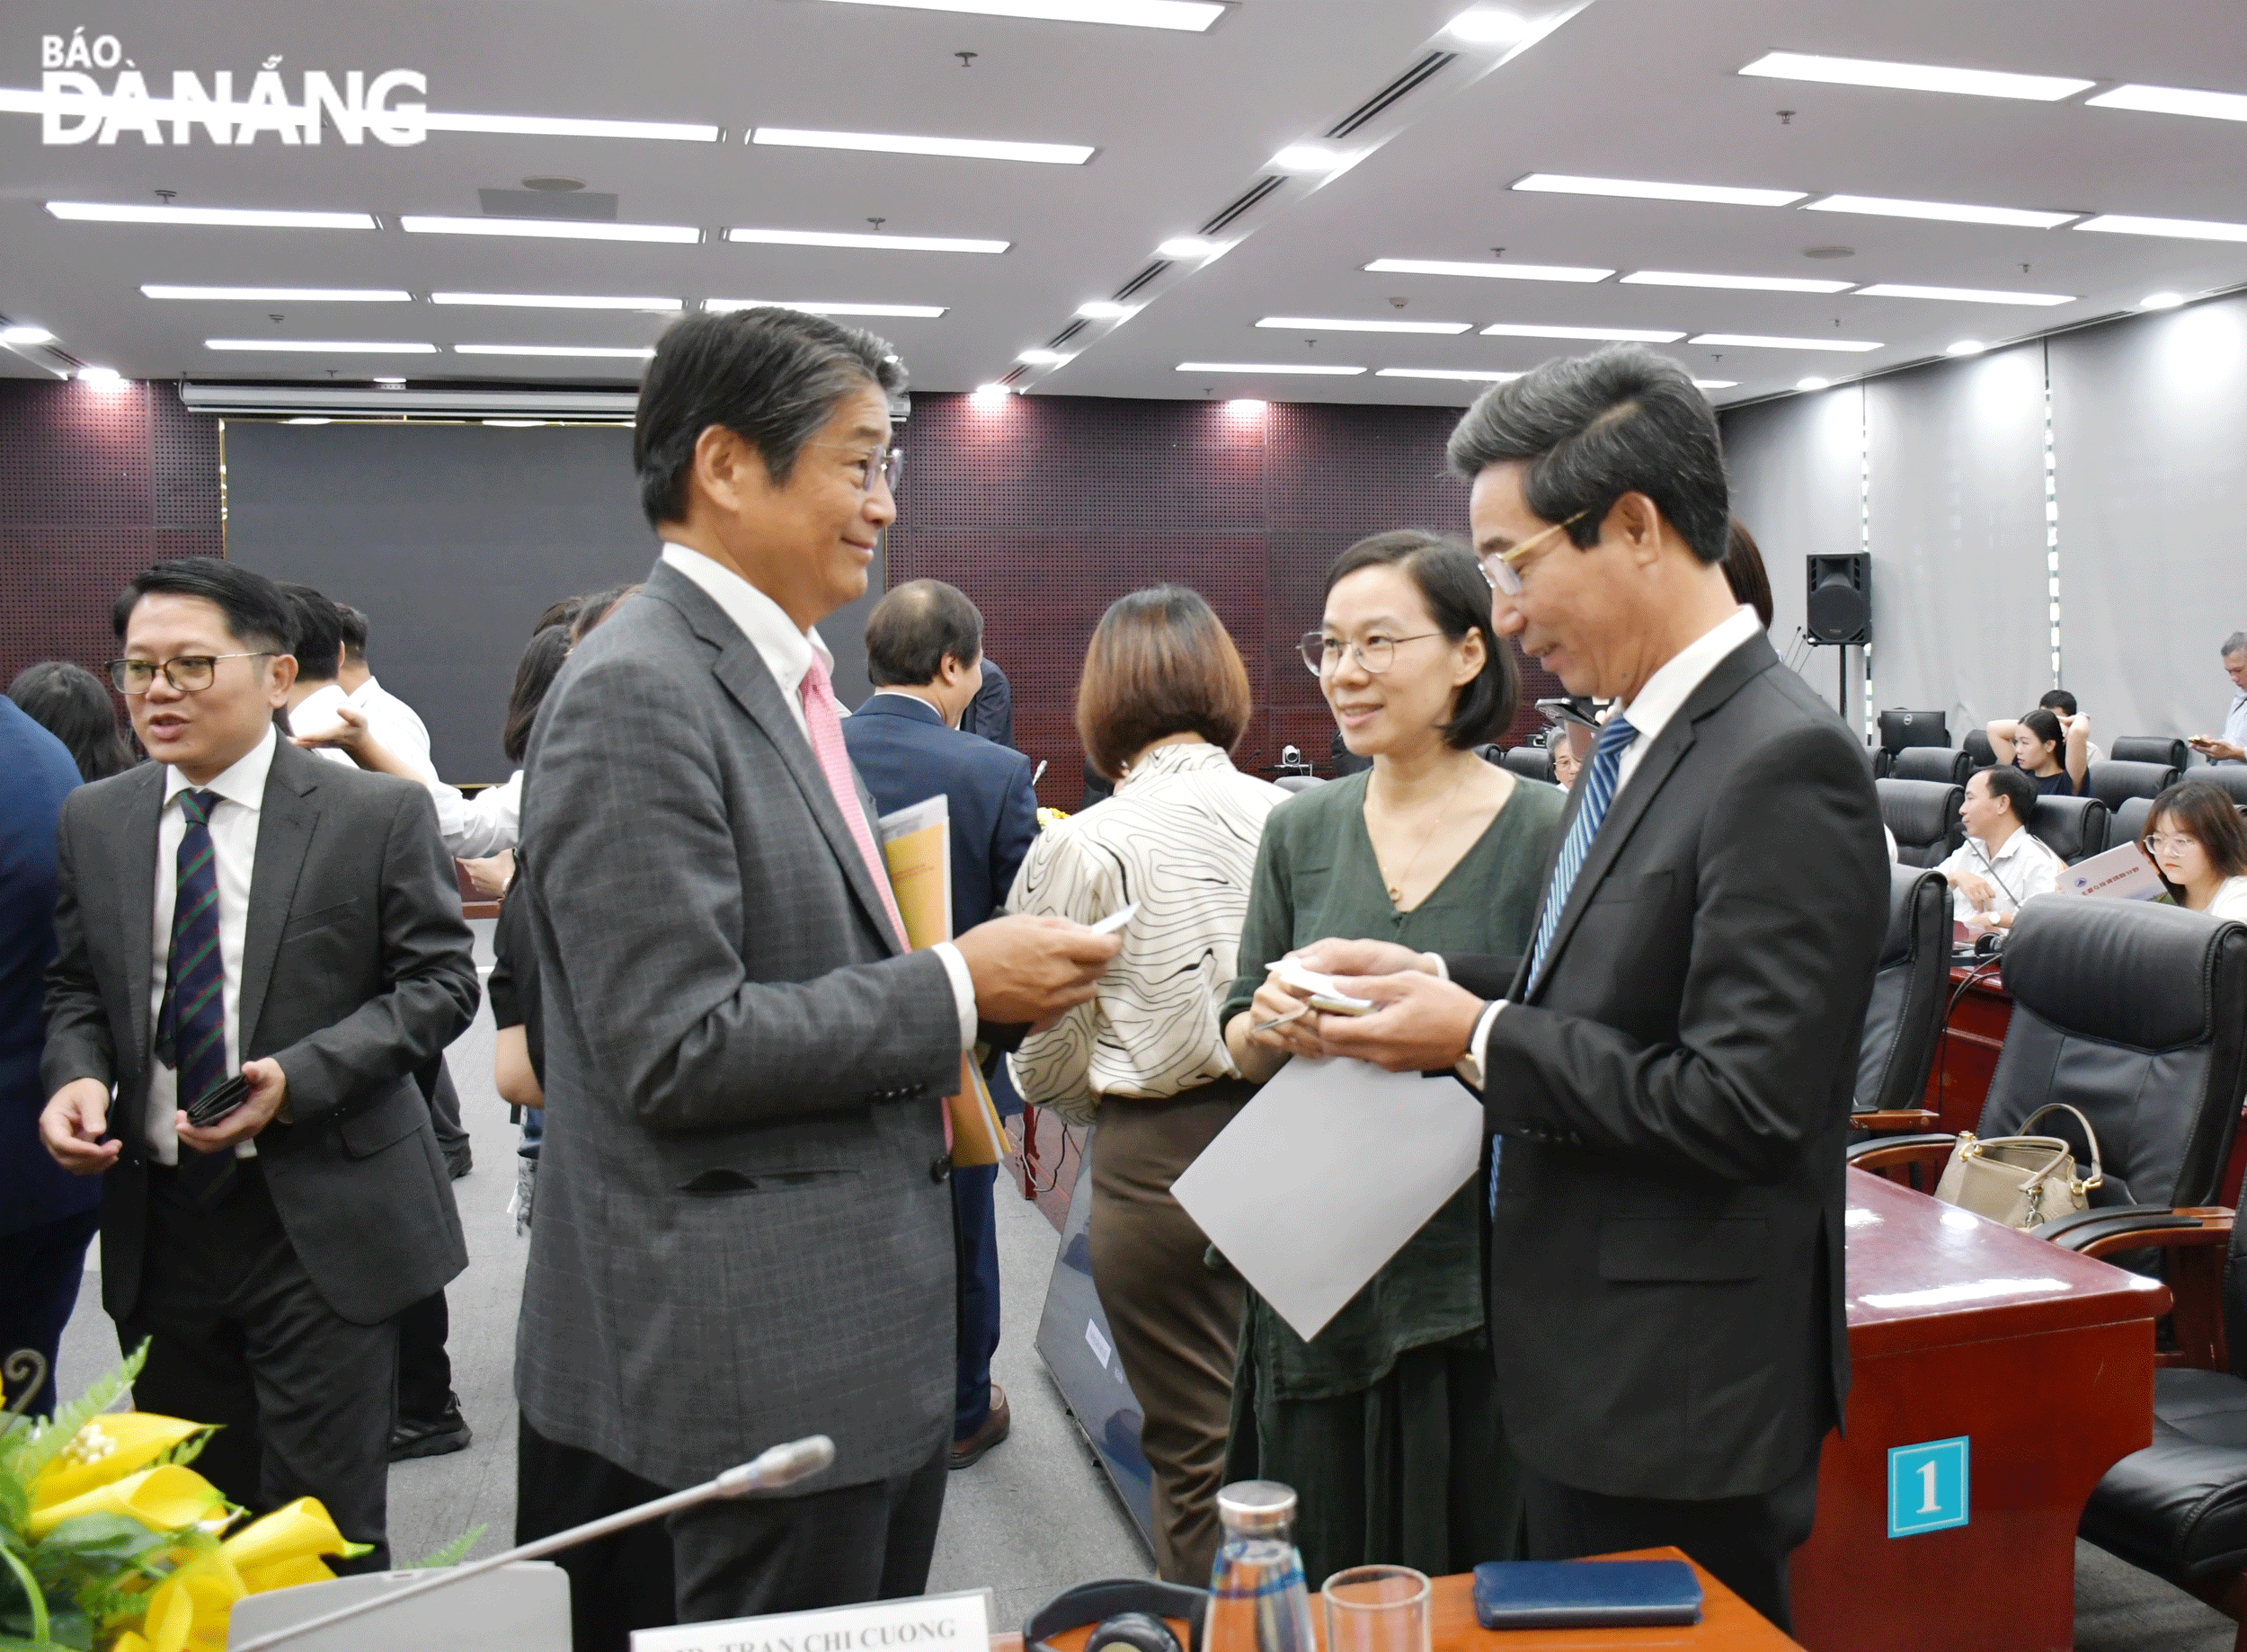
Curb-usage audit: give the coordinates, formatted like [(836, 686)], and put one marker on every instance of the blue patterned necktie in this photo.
[(1599, 792), (192, 1020)]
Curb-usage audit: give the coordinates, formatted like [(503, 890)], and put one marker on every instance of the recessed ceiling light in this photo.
[(1639, 335), (559, 126), (1190, 246), (2161, 301), (25, 335), (1043, 357), (825, 307), (1491, 272), (1812, 384), (1744, 283), (1474, 375), (1245, 405), (1309, 157), (309, 419), (621, 352), (281, 295), (2183, 229), (220, 217), (885, 143), (1758, 341), (102, 378), (554, 229), (515, 424), (1941, 211), (1313, 324), (1191, 15), (1914, 76), (1302, 367), (1964, 347), (1487, 26), (554, 301), (327, 347), (1961, 294), (990, 394), (1106, 309), (886, 243), (1722, 194), (391, 384), (2173, 100), (1716, 383)]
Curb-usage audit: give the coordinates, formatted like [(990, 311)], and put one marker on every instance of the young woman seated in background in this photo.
[(2199, 841), (2052, 749)]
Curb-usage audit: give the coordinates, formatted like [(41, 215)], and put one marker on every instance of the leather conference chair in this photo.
[(1923, 814), (2073, 828), (1976, 744), (2112, 781), (2169, 753), (1943, 763), (2128, 822), (1903, 1022), (2231, 778), (1298, 783), (1533, 762), (2135, 1014)]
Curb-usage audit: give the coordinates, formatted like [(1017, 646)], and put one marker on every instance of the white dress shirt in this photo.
[(2235, 726), (315, 715), (787, 652), (2021, 869), (396, 724), (1659, 699), (233, 823), (484, 824)]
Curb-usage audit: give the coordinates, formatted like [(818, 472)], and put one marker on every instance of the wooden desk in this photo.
[(1727, 1624), (1965, 1056), (2042, 1359)]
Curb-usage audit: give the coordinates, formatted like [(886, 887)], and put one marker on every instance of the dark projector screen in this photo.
[(452, 538)]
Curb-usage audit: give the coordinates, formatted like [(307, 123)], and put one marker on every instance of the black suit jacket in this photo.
[(357, 969), (1672, 1093)]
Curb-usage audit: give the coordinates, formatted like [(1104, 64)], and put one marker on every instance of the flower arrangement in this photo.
[(110, 1543)]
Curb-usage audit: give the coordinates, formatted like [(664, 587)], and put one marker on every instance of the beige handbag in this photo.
[(2023, 1181)]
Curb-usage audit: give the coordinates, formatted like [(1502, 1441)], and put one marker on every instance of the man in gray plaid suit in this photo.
[(743, 1231)]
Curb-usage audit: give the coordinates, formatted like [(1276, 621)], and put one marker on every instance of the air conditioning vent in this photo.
[(1065, 334), (408, 400), (1226, 215), (1141, 279), (1403, 86)]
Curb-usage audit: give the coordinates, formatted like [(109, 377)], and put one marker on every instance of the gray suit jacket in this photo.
[(357, 968), (743, 1231)]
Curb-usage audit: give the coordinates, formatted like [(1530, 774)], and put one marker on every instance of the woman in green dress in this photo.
[(1386, 1421)]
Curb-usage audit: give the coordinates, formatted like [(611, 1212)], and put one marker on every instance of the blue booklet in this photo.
[(1585, 1593)]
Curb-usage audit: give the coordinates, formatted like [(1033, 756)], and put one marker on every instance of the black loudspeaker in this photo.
[(1840, 604)]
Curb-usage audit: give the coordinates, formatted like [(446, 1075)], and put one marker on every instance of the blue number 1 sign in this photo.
[(1927, 1487)]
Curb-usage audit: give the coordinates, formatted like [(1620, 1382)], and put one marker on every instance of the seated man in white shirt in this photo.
[(2231, 748), (2002, 866), (318, 644)]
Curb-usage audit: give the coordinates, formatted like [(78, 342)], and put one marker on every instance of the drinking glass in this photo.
[(1377, 1609)]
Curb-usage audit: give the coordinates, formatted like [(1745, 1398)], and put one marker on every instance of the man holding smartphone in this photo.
[(255, 951), (2233, 747)]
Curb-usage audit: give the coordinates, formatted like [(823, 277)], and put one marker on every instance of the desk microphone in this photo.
[(783, 1465)]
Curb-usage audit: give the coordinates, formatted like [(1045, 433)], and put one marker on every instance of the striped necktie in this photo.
[(191, 1020)]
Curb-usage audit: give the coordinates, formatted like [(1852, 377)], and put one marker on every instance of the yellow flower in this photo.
[(131, 1640), (162, 1499), (108, 1449), (285, 1547), (190, 1609)]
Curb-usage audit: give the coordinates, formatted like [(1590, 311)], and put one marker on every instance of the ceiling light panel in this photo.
[(1193, 16), (826, 307), (1757, 341), (2173, 100), (561, 125), (1716, 383), (1191, 246), (1466, 374), (884, 244), (1721, 194), (555, 301), (1312, 324), (1961, 294), (2182, 229), (1742, 283), (1941, 211), (1494, 271), (332, 347), (1914, 76), (551, 229), (965, 148), (1324, 370), (13, 336), (1487, 26), (1633, 335), (639, 352), (216, 218), (1309, 158), (280, 294)]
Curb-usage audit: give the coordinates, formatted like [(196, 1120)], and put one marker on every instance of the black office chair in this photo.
[(1298, 783), (2128, 823), (1976, 744), (2135, 1014), (1902, 729), (2151, 749), (1345, 761), (2073, 828), (1903, 1022), (1923, 814), (1944, 763), (1533, 762), (2231, 778), (2112, 781)]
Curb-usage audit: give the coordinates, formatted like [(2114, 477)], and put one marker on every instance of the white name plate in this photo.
[(927, 1623)]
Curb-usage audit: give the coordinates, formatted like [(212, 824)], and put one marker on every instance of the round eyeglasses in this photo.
[(1323, 653), (188, 674)]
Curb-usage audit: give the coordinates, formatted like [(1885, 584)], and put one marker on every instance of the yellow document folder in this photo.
[(917, 844)]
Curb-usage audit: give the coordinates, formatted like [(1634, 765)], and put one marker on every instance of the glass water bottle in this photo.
[(1258, 1602)]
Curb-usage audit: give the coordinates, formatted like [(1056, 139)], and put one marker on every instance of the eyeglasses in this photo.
[(1498, 566), (1323, 653), (189, 673), (887, 463), (2179, 844)]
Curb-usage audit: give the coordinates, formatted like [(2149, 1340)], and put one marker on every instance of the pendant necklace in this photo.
[(1396, 890)]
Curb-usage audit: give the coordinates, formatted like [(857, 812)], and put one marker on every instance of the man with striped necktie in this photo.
[(1668, 1076), (238, 907)]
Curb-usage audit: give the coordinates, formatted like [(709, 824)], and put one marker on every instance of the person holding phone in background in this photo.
[(2233, 747), (1388, 1424)]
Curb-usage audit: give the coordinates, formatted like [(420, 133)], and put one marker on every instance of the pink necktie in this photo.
[(823, 722)]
